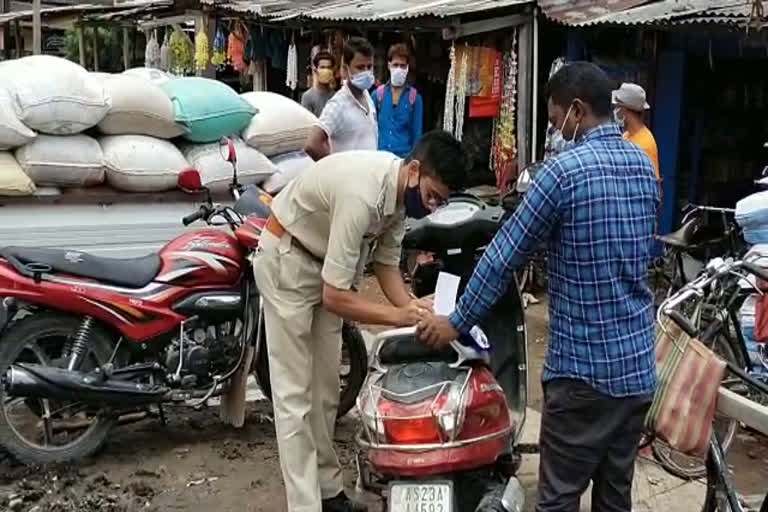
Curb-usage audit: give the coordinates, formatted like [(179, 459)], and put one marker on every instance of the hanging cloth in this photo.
[(292, 69), (236, 49), (260, 75), (152, 52), (219, 55), (165, 53), (461, 95)]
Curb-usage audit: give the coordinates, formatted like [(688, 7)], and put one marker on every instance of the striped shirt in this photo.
[(595, 206)]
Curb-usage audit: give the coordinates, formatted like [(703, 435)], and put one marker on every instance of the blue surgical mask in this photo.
[(414, 204), (363, 80), (398, 76)]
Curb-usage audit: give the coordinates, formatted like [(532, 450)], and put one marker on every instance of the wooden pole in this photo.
[(126, 48), (37, 29), (17, 38), (81, 44), (95, 48)]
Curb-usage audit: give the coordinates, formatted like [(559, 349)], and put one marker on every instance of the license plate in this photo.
[(420, 497)]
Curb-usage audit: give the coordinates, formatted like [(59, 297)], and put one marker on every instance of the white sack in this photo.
[(139, 107), (281, 125), (289, 166), (13, 181), (13, 133), (216, 173), (137, 163), (153, 75), (54, 95), (66, 161)]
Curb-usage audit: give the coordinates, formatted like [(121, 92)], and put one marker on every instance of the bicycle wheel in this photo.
[(691, 468)]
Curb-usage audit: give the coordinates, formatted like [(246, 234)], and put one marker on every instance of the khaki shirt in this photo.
[(340, 206)]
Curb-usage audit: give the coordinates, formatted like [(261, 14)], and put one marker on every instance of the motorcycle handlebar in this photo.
[(192, 217)]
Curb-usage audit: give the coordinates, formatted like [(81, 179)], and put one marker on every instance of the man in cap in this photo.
[(629, 104)]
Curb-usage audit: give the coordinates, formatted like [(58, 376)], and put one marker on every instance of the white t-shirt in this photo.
[(347, 124)]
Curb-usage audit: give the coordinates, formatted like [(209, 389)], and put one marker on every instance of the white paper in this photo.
[(445, 293)]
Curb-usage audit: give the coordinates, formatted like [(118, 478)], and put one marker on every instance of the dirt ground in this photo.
[(196, 464)]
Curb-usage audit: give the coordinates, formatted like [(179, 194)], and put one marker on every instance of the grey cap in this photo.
[(630, 96)]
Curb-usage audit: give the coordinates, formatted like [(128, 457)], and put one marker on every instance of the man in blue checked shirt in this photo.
[(595, 206)]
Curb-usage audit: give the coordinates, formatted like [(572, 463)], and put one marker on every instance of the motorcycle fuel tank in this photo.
[(203, 257)]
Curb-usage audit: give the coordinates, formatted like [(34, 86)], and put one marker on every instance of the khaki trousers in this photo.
[(304, 348)]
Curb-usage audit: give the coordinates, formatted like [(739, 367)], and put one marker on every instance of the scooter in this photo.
[(439, 427)]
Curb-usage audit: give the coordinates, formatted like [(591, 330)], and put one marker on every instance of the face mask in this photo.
[(558, 134), (414, 205), (324, 76), (363, 80), (398, 76), (619, 117)]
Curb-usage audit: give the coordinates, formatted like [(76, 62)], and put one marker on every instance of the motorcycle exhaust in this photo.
[(35, 381)]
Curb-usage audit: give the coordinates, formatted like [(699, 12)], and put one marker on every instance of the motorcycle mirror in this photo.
[(227, 149), (190, 182), (523, 182)]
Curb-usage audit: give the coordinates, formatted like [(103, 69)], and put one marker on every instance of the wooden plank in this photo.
[(37, 29), (81, 44), (743, 409), (482, 26)]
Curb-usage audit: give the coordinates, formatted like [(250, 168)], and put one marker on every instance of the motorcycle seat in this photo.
[(126, 272), (683, 237), (408, 349)]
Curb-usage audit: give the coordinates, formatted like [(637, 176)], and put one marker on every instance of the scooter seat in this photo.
[(683, 237), (127, 272), (407, 349)]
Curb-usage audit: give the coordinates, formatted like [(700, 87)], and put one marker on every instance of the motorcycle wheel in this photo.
[(352, 349), (29, 340)]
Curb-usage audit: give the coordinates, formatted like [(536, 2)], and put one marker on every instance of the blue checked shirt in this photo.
[(595, 205)]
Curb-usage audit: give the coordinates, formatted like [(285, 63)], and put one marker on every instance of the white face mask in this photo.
[(558, 134), (398, 76), (619, 117)]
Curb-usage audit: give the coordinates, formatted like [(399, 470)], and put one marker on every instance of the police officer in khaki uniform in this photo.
[(312, 251)]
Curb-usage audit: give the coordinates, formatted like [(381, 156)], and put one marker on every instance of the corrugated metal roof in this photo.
[(81, 8), (677, 12), (571, 12), (362, 10)]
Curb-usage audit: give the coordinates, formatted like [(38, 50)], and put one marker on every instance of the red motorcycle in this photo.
[(88, 342)]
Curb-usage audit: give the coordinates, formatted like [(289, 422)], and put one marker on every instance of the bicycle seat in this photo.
[(683, 237), (127, 272)]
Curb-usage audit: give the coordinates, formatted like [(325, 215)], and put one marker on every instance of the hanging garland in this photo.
[(504, 148), (165, 54), (182, 56), (201, 50), (152, 52), (450, 93), (461, 95)]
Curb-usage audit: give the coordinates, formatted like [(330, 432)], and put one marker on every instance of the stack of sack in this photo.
[(135, 130), (280, 131), (752, 216)]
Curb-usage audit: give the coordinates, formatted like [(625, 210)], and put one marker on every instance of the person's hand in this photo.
[(436, 331), (427, 303), (412, 313)]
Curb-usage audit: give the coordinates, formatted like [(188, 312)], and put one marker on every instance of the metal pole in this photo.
[(535, 92), (126, 48), (37, 30), (81, 44)]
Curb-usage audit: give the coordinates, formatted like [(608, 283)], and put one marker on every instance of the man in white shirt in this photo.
[(348, 121)]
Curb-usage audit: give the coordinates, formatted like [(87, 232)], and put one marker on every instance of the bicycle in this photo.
[(725, 274)]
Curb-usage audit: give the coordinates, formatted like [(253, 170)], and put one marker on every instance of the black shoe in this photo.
[(341, 503)]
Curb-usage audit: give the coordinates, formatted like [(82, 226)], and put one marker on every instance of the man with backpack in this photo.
[(399, 107)]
